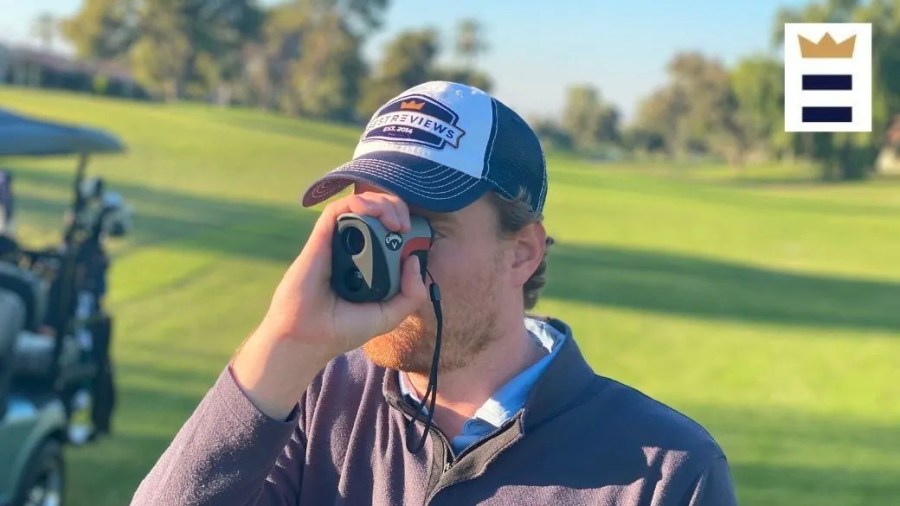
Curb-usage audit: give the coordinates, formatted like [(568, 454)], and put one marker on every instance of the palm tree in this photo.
[(469, 41)]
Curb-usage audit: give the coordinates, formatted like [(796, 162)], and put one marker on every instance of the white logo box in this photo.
[(859, 66)]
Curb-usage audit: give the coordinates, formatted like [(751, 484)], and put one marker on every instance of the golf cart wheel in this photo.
[(44, 478)]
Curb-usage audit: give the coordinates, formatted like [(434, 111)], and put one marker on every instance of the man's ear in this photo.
[(529, 247)]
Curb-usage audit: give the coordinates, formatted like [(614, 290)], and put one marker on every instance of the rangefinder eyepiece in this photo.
[(367, 257)]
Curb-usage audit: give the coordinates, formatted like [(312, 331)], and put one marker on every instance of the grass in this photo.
[(763, 304)]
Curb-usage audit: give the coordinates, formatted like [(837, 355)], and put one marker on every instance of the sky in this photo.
[(537, 48)]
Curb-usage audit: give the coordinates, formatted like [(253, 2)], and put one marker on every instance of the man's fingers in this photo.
[(316, 256), (392, 211), (402, 214), (376, 206)]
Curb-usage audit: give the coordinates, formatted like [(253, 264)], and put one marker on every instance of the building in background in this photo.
[(24, 66)]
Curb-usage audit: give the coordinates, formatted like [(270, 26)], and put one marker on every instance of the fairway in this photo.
[(765, 306)]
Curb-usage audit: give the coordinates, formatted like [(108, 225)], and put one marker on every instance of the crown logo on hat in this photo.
[(412, 104), (827, 47)]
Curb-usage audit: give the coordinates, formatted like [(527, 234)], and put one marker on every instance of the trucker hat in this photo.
[(440, 146)]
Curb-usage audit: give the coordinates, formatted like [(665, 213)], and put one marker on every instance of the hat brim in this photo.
[(418, 181)]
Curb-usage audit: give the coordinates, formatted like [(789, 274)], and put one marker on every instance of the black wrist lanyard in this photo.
[(435, 295)]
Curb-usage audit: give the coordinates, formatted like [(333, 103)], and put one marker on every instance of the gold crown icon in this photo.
[(412, 104), (827, 47)]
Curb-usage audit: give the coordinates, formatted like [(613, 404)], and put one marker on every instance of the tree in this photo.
[(658, 119), (361, 16), (211, 30), (409, 60), (852, 155), (325, 80), (268, 65), (758, 85), (172, 44), (470, 42), (159, 56), (44, 29), (696, 112), (551, 134), (103, 29), (588, 120), (640, 139), (708, 123), (309, 61)]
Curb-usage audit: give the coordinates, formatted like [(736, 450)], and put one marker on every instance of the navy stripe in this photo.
[(827, 114), (827, 82)]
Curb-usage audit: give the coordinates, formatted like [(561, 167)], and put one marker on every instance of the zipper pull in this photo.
[(448, 459)]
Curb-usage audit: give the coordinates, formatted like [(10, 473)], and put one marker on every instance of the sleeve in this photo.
[(714, 486), (228, 452)]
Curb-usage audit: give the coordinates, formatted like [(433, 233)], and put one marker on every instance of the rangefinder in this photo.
[(366, 257)]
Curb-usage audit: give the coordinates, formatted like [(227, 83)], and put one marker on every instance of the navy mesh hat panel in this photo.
[(514, 158)]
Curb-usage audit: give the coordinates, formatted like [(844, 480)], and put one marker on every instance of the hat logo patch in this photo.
[(416, 119)]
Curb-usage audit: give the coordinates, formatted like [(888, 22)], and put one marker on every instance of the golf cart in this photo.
[(56, 382)]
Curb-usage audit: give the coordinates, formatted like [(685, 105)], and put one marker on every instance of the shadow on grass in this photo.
[(153, 402), (783, 457), (775, 457), (792, 485), (108, 472), (693, 286), (630, 278), (262, 231), (725, 193)]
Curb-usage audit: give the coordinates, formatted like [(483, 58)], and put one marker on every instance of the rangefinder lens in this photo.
[(354, 280), (354, 240)]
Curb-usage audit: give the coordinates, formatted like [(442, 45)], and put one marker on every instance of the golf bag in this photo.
[(6, 203)]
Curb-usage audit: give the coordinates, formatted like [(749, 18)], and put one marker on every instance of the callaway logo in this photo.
[(417, 119), (393, 241)]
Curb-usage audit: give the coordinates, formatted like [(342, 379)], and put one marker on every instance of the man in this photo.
[(519, 418)]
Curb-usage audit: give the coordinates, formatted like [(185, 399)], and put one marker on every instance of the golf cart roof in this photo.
[(24, 136)]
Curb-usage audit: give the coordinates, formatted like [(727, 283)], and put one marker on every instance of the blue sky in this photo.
[(539, 47)]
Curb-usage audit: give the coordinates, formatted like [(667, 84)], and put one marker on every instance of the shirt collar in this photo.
[(509, 398), (557, 390)]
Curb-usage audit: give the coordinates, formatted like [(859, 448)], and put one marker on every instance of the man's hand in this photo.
[(307, 325)]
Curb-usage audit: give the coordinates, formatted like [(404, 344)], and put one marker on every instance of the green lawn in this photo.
[(764, 305)]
